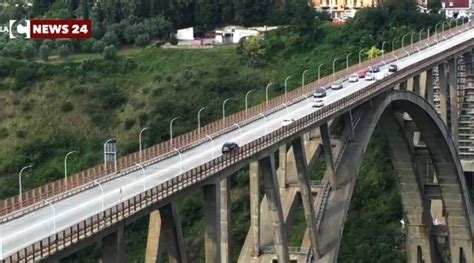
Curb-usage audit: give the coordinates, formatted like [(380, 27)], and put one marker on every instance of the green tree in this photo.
[(85, 9), (98, 46), (44, 52), (110, 52), (131, 33), (28, 51), (110, 38), (253, 50), (434, 6), (63, 52), (142, 40)]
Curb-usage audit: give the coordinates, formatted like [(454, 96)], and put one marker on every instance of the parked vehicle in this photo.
[(337, 85), (369, 77), (287, 121), (362, 74), (354, 78), (318, 103), (229, 147), (319, 93), (392, 68)]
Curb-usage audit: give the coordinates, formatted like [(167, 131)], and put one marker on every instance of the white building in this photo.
[(186, 34), (233, 34)]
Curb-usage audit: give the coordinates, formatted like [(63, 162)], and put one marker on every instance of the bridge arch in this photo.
[(442, 152)]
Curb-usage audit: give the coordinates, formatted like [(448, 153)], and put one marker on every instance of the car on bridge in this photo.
[(337, 85), (287, 121), (319, 93), (229, 147), (361, 74), (369, 77), (318, 103), (392, 68), (354, 77), (374, 68)]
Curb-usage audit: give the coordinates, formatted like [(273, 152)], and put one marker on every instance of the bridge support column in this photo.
[(416, 84), (114, 246), (267, 166), (442, 92), (281, 172), (409, 85), (348, 125), (306, 195), (225, 220), (255, 207), (453, 98), (165, 229), (212, 223), (429, 86), (326, 140)]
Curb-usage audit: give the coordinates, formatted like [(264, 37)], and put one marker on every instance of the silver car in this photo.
[(319, 93), (337, 85)]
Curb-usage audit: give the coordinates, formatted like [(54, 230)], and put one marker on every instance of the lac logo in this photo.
[(19, 29)]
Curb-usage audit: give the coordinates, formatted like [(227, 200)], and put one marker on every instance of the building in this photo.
[(343, 8), (456, 8), (233, 34)]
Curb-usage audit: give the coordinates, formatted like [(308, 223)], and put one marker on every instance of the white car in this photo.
[(354, 78), (318, 103), (287, 121), (369, 77)]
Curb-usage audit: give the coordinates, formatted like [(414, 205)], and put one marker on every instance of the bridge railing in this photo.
[(33, 199), (110, 216)]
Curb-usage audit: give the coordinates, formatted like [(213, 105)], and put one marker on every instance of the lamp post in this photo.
[(247, 99), (54, 215), (436, 28), (411, 38), (19, 177), (347, 60), (140, 142), (212, 142), (65, 164), (403, 41), (286, 84), (102, 191), (319, 71), (266, 93), (334, 68), (240, 132), (360, 55), (302, 77), (393, 44), (199, 120), (223, 108), (419, 34), (180, 160), (171, 129), (144, 175), (383, 50), (106, 152)]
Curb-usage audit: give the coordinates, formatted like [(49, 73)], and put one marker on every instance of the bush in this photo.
[(174, 41), (110, 52), (142, 40), (98, 46), (110, 38), (28, 51), (128, 124), (67, 106), (25, 74), (63, 51), (50, 43), (87, 45), (44, 52)]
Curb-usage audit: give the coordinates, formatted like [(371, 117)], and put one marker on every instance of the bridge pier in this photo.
[(225, 207), (267, 166), (114, 246), (255, 207), (453, 99), (212, 222), (326, 141), (281, 172), (442, 92), (429, 86), (349, 124)]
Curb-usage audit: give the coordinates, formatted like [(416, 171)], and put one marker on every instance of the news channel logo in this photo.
[(19, 29)]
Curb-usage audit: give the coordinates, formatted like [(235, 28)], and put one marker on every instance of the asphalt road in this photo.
[(39, 224)]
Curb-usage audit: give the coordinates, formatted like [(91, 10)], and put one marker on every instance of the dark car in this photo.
[(392, 68), (319, 93), (374, 68), (229, 147)]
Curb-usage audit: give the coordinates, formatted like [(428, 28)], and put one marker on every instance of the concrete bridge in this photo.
[(425, 113)]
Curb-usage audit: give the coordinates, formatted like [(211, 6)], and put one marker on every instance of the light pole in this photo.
[(266, 93), (428, 35), (411, 38), (419, 34), (19, 177), (240, 131), (393, 44), (180, 160), (436, 29), (171, 129), (347, 60), (403, 41), (223, 108), (247, 99), (286, 107), (106, 152), (212, 142), (140, 141), (199, 119), (302, 77), (286, 84), (54, 215), (102, 192), (319, 71), (383, 50), (334, 68), (144, 175), (360, 56), (65, 164)]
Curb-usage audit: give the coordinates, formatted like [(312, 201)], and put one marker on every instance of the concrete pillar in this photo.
[(416, 84), (326, 140), (267, 167), (422, 83), (255, 207), (348, 125), (114, 246), (306, 195), (429, 86), (453, 98), (212, 223), (403, 85), (442, 92), (282, 153), (165, 229), (225, 220), (409, 84)]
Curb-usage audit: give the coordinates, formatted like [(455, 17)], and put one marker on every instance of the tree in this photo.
[(98, 46), (85, 9), (110, 52), (434, 6), (110, 38), (142, 40), (131, 33), (28, 51), (63, 52), (50, 43), (253, 50), (44, 52)]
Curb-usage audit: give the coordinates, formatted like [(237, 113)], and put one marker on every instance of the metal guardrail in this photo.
[(113, 215)]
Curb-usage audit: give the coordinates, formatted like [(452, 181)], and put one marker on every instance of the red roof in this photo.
[(337, 21), (447, 4)]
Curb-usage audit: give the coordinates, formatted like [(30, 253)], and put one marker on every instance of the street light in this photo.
[(240, 131), (419, 36), (19, 177), (54, 215), (144, 175), (302, 77), (319, 71), (102, 191), (212, 142), (393, 44), (411, 37), (334, 68), (171, 129), (180, 160), (347, 60), (436, 29), (140, 141), (266, 93), (286, 84), (65, 164), (223, 108), (247, 99), (106, 152), (383, 50), (360, 56), (199, 119), (403, 41)]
